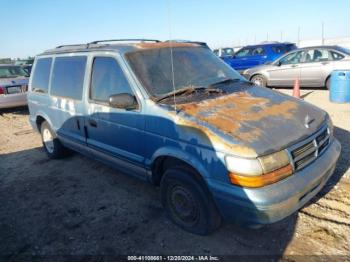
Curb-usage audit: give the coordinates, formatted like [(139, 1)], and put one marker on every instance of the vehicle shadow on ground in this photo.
[(23, 110), (342, 166), (79, 206)]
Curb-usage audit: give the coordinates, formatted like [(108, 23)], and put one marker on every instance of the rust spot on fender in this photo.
[(216, 141)]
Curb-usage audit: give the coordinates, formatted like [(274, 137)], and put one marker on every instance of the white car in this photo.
[(13, 86)]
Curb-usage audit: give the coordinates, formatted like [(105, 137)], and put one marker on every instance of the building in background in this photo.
[(340, 41)]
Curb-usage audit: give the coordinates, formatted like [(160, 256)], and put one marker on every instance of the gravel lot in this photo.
[(79, 206)]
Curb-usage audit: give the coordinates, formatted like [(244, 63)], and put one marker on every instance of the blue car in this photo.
[(174, 114), (254, 55)]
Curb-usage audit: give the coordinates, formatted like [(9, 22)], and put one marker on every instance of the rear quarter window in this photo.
[(41, 75), (68, 77), (336, 56)]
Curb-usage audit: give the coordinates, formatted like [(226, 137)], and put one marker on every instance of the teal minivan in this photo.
[(176, 115)]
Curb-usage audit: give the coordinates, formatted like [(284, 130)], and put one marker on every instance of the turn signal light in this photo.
[(261, 180)]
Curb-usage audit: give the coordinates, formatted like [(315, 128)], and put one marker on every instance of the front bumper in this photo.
[(14, 100), (272, 203)]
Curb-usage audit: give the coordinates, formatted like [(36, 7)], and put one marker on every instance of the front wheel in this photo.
[(53, 147), (187, 202), (259, 80)]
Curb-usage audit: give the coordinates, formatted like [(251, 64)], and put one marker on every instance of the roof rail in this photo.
[(124, 40), (60, 46)]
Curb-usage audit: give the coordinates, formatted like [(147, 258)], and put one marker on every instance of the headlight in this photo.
[(259, 172), (330, 126), (245, 72)]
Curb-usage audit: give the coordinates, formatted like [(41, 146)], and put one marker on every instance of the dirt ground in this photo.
[(79, 206)]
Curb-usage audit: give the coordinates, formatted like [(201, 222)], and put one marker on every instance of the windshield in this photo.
[(193, 67), (12, 71)]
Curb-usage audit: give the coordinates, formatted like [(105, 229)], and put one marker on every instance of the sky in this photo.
[(32, 26)]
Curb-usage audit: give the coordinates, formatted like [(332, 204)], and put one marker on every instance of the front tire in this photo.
[(187, 203), (259, 80), (53, 147)]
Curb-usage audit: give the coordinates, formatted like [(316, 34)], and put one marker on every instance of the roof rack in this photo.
[(123, 40), (60, 46)]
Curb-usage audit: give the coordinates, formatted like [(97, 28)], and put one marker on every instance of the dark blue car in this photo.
[(255, 55)]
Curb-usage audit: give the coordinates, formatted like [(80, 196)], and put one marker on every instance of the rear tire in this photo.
[(53, 147), (187, 203), (259, 80), (328, 83)]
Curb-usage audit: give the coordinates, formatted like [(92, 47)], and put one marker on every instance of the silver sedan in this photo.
[(312, 66), (13, 86)]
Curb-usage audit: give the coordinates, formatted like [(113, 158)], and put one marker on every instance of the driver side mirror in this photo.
[(278, 63), (123, 101)]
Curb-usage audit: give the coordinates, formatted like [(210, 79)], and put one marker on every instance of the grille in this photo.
[(310, 149)]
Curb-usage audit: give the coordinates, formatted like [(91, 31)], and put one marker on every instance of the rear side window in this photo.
[(41, 75), (244, 52), (107, 79), (258, 51), (316, 55), (68, 77)]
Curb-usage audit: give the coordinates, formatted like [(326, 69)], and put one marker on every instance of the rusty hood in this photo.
[(255, 121)]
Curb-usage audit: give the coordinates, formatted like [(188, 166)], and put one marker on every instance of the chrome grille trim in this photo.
[(304, 153)]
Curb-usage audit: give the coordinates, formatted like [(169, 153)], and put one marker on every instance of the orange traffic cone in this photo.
[(296, 89)]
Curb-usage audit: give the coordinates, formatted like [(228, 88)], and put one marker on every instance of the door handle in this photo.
[(294, 66), (92, 123)]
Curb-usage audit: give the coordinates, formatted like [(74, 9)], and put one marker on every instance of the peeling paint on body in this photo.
[(250, 123), (228, 113)]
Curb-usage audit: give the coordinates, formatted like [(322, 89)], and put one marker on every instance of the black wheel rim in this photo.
[(183, 205)]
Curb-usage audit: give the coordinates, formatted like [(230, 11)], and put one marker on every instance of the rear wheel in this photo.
[(259, 80), (52, 145), (328, 83), (187, 202)]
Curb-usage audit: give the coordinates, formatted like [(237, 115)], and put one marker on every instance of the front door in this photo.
[(248, 57), (113, 132)]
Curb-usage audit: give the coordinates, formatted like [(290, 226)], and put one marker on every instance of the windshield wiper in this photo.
[(188, 90), (175, 93)]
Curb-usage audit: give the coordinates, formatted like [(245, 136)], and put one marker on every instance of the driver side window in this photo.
[(107, 79), (293, 58), (243, 52)]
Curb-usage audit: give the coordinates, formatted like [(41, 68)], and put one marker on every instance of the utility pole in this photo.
[(267, 36), (281, 35), (322, 33), (298, 36)]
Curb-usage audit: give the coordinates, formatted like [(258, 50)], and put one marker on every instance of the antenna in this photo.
[(171, 53)]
